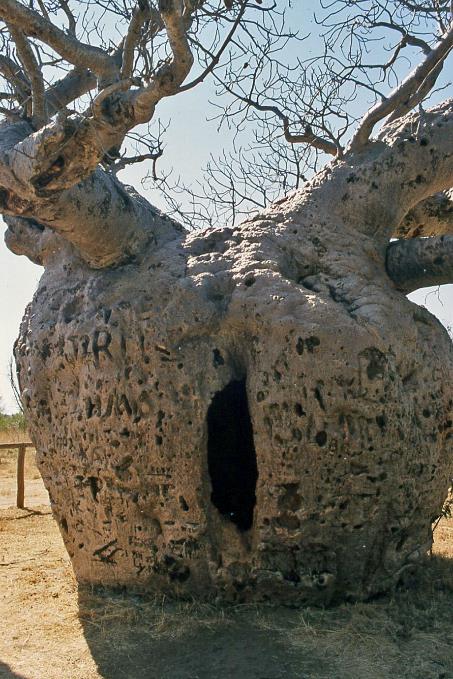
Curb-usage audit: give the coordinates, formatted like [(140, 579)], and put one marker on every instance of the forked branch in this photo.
[(306, 137), (171, 75), (15, 76), (142, 13), (34, 74), (65, 44), (71, 147), (405, 96)]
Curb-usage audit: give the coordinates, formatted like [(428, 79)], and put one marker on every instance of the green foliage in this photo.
[(12, 422)]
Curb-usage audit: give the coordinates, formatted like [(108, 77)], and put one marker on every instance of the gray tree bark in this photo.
[(253, 412)]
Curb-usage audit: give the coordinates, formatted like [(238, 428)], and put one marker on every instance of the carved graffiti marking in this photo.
[(100, 344), (118, 404)]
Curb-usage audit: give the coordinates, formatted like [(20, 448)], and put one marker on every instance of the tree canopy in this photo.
[(82, 82)]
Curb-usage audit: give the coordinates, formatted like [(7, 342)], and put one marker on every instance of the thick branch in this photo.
[(402, 95), (15, 76), (432, 217), (105, 222), (74, 85), (411, 162), (65, 44), (169, 77), (34, 74), (420, 262), (69, 149), (141, 14), (59, 155), (417, 97)]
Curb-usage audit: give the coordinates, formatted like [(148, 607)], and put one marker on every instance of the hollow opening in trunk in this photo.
[(231, 455)]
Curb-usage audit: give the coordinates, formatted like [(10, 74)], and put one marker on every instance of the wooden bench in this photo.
[(22, 447)]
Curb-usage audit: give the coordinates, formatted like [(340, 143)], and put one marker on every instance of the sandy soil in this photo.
[(51, 630)]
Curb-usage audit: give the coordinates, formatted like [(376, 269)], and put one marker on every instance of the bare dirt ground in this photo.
[(51, 630), (35, 493)]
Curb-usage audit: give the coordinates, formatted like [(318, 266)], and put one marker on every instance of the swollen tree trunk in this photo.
[(252, 412)]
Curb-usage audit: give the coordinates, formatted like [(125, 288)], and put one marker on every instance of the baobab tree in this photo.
[(254, 410)]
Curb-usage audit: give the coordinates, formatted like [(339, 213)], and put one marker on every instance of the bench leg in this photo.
[(20, 477)]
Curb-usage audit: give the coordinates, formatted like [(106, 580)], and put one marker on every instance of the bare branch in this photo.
[(77, 53), (170, 76), (13, 73), (420, 262), (69, 15), (407, 39), (307, 137), (216, 58), (404, 92), (74, 85), (34, 74), (141, 14), (125, 161), (70, 148)]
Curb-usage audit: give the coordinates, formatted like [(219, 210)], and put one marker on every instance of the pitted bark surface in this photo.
[(347, 385)]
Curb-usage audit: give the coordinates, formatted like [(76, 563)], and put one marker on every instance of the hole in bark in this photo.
[(381, 421), (4, 197), (54, 171), (231, 455), (321, 438), (218, 359), (299, 410), (94, 487), (319, 398)]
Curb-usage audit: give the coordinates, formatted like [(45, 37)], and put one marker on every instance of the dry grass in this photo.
[(8, 458), (13, 435), (8, 463), (35, 493), (53, 630)]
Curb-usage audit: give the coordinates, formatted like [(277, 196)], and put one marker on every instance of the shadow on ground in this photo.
[(7, 673), (53, 630), (405, 636), (176, 641)]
